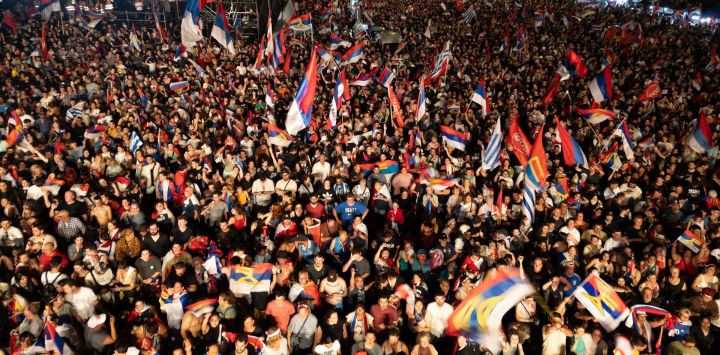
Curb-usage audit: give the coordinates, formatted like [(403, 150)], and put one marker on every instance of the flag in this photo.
[(491, 157), (572, 153), (309, 292), (574, 64), (365, 79), (94, 133), (611, 159), (623, 132), (191, 25), (421, 108), (701, 139), (158, 27), (562, 188), (15, 135), (441, 64), (135, 142), (47, 7), (199, 308), (386, 167), (198, 68), (469, 15), (632, 321), (691, 241), (260, 55), (482, 311), (519, 142), (9, 20), (441, 184), (300, 24), (405, 292), (386, 77), (179, 52), (53, 340), (480, 97), (75, 111), (651, 92), (596, 116), (269, 42), (277, 56), (428, 29), (251, 279), (134, 40), (453, 138), (269, 97), (179, 85), (601, 87), (221, 29), (552, 89), (602, 302), (647, 143), (395, 109), (278, 136), (336, 42), (341, 92), (536, 172), (298, 117), (353, 54)]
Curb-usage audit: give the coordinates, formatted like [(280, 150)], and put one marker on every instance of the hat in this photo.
[(712, 194), (464, 228), (422, 252), (708, 292), (96, 320)]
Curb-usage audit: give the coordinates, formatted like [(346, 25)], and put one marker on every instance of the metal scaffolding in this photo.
[(242, 15)]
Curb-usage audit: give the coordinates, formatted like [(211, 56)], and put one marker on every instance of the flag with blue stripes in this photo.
[(469, 15), (135, 142), (536, 173), (491, 158)]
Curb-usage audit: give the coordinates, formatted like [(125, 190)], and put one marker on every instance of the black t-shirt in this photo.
[(316, 275), (75, 209), (187, 279), (182, 236)]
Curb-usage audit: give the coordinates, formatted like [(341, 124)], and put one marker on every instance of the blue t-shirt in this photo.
[(347, 213)]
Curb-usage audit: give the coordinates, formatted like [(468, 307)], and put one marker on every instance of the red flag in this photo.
[(651, 92), (9, 20), (286, 64), (519, 142), (552, 90), (395, 107), (43, 45), (411, 143)]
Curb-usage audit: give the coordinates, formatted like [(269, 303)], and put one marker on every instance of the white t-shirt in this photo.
[(438, 317), (52, 277), (83, 301), (323, 349)]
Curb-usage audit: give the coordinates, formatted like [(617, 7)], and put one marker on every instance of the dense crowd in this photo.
[(109, 242)]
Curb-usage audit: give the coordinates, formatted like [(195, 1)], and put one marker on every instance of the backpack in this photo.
[(49, 290)]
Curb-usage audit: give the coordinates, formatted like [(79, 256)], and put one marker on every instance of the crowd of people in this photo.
[(110, 242)]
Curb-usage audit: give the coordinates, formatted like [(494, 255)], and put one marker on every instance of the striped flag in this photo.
[(536, 173), (341, 93), (365, 79), (601, 87), (135, 142), (75, 111), (386, 77), (179, 85), (469, 15), (691, 241), (596, 116), (453, 138), (623, 132), (269, 97), (278, 136), (480, 97), (300, 113), (491, 158), (572, 153)]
